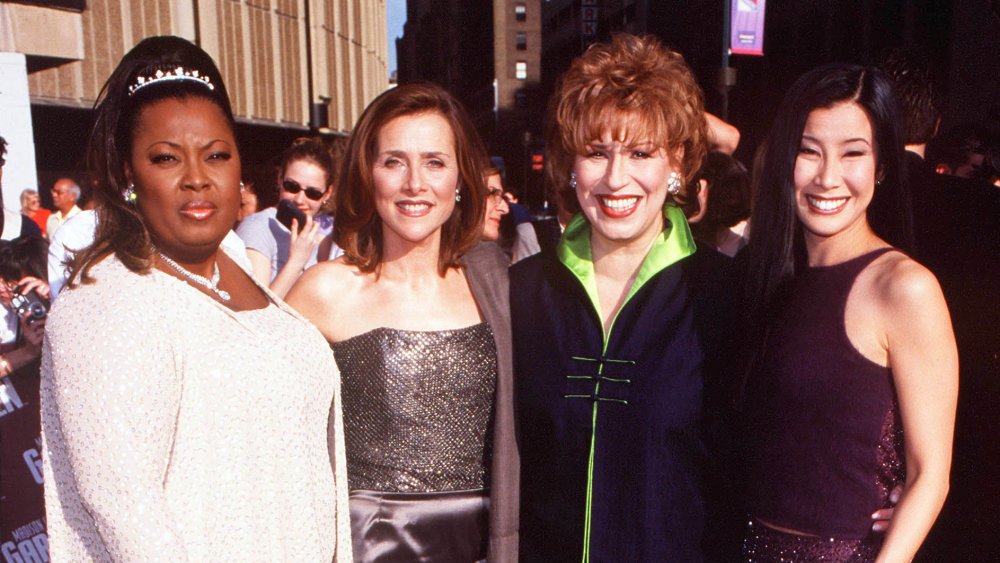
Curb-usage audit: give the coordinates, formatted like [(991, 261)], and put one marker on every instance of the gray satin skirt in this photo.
[(404, 527)]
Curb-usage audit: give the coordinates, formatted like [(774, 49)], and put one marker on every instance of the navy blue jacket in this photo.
[(611, 439)]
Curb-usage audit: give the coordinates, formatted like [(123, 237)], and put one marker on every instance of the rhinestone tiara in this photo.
[(165, 73)]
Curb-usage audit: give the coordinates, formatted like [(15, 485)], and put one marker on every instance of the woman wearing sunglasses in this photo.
[(278, 254)]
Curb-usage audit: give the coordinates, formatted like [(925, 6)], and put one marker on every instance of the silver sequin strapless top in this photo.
[(418, 408)]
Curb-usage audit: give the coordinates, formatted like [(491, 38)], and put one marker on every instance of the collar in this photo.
[(73, 211), (672, 244)]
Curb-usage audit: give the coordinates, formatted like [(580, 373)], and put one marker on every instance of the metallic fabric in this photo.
[(762, 544), (891, 455), (418, 406), (404, 527)]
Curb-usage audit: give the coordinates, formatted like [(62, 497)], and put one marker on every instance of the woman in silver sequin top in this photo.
[(405, 315), (182, 403)]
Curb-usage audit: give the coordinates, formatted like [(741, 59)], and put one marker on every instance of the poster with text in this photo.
[(747, 35)]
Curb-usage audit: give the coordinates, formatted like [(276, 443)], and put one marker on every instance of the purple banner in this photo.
[(22, 510), (747, 36)]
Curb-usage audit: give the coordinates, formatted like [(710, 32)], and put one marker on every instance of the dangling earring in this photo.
[(572, 180), (674, 183), (129, 194), (458, 194), (242, 187)]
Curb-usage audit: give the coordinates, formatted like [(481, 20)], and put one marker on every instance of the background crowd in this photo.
[(177, 388)]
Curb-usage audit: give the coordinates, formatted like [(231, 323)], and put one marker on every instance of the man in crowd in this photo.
[(957, 233), (65, 194), (961, 151)]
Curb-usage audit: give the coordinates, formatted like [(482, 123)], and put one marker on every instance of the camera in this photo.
[(30, 306)]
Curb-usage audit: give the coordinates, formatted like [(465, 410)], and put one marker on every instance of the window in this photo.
[(521, 70), (521, 41), (520, 11)]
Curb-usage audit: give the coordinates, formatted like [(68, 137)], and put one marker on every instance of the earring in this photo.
[(673, 183), (458, 195), (242, 187), (572, 180), (129, 194)]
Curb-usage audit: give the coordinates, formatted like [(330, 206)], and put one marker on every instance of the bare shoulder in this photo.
[(903, 278), (329, 275), (329, 294), (902, 284)]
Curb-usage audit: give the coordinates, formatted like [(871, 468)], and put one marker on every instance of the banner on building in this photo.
[(747, 27)]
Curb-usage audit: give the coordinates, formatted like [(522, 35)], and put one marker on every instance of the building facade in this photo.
[(488, 55), (278, 57)]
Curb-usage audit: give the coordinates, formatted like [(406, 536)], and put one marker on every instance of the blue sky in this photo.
[(395, 16)]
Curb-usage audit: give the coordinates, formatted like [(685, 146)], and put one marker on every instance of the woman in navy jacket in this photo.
[(607, 332)]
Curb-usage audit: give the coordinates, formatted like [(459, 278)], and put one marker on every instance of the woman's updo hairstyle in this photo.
[(638, 90), (157, 68)]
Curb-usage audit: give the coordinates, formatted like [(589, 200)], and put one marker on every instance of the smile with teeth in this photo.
[(618, 205), (826, 205), (414, 208)]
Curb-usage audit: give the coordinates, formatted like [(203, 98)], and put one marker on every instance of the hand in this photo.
[(33, 331), (28, 283), (302, 244), (883, 516)]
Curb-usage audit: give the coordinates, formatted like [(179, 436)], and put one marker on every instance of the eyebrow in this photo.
[(177, 145), (429, 154), (844, 142), (638, 144)]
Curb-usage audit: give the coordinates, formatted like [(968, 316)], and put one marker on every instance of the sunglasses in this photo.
[(293, 187)]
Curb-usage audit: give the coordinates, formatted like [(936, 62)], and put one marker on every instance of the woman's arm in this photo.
[(261, 265), (111, 392), (924, 364), (722, 137), (300, 249), (313, 296), (16, 359), (256, 233)]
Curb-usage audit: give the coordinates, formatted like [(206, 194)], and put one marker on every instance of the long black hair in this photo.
[(776, 249), (121, 229)]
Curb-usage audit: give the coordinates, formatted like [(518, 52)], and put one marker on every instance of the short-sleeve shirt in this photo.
[(264, 233)]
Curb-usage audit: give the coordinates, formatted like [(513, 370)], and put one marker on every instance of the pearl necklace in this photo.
[(212, 284)]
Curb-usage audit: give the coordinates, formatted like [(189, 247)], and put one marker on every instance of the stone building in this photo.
[(283, 61)]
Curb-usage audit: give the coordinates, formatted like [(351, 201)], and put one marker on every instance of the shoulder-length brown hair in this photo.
[(633, 83), (357, 227)]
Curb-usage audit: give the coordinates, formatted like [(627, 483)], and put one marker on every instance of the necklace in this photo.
[(212, 284)]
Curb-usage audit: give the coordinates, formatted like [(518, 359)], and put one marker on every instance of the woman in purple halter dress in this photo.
[(853, 379)]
